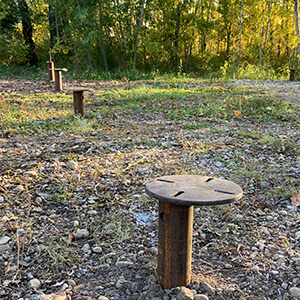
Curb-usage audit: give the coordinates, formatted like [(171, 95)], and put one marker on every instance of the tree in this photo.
[(27, 32), (101, 37), (137, 33), (297, 24), (240, 36)]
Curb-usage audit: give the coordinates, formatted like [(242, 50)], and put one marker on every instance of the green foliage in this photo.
[(28, 72), (177, 37), (60, 193)]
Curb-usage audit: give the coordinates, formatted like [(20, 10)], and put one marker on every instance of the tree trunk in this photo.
[(240, 37), (101, 37), (188, 58), (5, 48), (268, 27), (261, 32), (123, 41), (137, 34), (228, 38), (297, 24), (27, 32), (52, 26), (176, 41)]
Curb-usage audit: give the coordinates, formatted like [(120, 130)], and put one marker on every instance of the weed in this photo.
[(61, 194), (113, 230), (191, 126)]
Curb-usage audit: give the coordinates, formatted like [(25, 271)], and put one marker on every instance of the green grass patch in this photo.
[(185, 101)]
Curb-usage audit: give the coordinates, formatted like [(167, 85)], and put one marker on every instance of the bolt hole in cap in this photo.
[(194, 190)]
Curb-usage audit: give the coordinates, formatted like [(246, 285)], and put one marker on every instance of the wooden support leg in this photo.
[(58, 81), (175, 234), (51, 70), (78, 97)]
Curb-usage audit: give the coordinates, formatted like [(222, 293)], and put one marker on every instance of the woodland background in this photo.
[(186, 36)]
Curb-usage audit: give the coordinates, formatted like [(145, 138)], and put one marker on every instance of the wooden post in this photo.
[(78, 98), (175, 234), (58, 81), (292, 74), (50, 65)]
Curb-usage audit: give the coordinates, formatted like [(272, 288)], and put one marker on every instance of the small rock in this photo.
[(78, 287), (92, 212), (72, 165), (144, 259), (280, 261), (255, 269), (57, 296), (19, 188), (97, 249), (134, 286), (185, 294), (274, 272), (295, 291), (208, 288), (151, 279), (4, 240), (260, 212), (86, 248), (64, 287), (284, 285), (37, 209), (34, 283), (102, 298), (278, 256), (76, 178), (21, 232), (123, 263), (75, 223), (27, 259), (104, 267), (154, 251), (4, 248), (31, 173), (1, 199), (218, 164), (201, 297), (120, 283), (81, 234), (71, 282)]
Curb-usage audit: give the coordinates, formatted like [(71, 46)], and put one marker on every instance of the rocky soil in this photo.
[(76, 222)]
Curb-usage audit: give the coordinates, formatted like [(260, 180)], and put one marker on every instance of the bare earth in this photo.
[(55, 187)]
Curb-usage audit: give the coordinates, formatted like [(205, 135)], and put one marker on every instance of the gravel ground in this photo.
[(77, 224)]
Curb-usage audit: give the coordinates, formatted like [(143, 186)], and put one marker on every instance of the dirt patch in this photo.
[(53, 185)]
